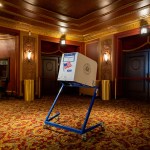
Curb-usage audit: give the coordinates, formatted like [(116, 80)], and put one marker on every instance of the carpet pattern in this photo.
[(127, 124)]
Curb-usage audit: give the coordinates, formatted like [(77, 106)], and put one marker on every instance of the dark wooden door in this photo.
[(136, 75), (49, 75)]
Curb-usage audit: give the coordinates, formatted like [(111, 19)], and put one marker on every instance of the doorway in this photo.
[(136, 75), (50, 67)]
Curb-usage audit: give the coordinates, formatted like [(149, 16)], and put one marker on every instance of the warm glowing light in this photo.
[(63, 42), (144, 30), (63, 30), (63, 39), (144, 12), (29, 55), (1, 5), (106, 57), (29, 33), (144, 26)]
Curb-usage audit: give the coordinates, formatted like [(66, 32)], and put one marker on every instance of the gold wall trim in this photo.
[(74, 37), (115, 29), (75, 22), (25, 68), (17, 25)]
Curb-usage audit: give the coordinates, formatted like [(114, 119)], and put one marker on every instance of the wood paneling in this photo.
[(125, 41), (29, 66), (49, 75), (51, 46), (136, 72), (92, 50), (81, 17), (128, 43), (7, 50)]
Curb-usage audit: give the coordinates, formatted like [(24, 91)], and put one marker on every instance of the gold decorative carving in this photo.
[(120, 27), (106, 67), (29, 69), (37, 30)]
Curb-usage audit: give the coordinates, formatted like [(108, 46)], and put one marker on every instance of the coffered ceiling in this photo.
[(78, 16)]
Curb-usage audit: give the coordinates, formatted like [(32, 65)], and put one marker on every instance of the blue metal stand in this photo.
[(83, 129)]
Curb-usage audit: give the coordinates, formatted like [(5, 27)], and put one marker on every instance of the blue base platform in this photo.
[(83, 130)]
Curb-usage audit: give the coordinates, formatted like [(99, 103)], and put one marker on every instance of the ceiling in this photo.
[(78, 16)]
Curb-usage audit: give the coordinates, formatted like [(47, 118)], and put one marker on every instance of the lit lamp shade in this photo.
[(106, 57), (63, 42), (29, 53), (63, 39), (144, 30)]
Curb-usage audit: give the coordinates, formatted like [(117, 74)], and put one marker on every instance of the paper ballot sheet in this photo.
[(78, 68)]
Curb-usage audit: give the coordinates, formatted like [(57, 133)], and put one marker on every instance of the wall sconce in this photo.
[(63, 39), (144, 30), (63, 30), (106, 57), (143, 26), (28, 48), (29, 53), (1, 3)]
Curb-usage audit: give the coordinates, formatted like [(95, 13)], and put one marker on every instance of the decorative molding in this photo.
[(17, 25), (121, 27), (53, 16), (49, 14), (29, 70), (98, 12), (106, 67)]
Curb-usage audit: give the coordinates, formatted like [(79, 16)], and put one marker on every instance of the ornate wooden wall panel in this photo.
[(7, 50), (92, 50), (106, 67), (29, 70)]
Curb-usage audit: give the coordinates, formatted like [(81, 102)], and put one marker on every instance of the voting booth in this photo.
[(76, 67), (76, 70)]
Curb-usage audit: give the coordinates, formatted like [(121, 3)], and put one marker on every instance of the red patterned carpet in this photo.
[(127, 124)]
